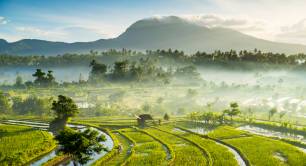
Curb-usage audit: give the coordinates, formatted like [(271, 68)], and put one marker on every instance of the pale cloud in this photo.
[(69, 29), (67, 34), (247, 25), (107, 30), (293, 33), (3, 20), (238, 23), (81, 34), (37, 31)]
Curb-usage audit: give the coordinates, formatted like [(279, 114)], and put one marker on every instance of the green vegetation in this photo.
[(20, 145), (181, 147), (168, 99), (79, 146), (260, 150), (115, 152), (198, 57), (147, 150), (227, 132), (122, 153), (64, 108), (43, 79), (219, 154)]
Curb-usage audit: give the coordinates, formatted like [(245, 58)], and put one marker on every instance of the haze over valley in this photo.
[(146, 83)]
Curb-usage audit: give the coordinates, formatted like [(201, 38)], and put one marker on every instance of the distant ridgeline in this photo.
[(198, 58)]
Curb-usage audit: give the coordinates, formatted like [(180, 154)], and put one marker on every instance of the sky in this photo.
[(89, 20)]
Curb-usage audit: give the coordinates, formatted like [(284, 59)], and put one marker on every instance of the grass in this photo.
[(260, 150), (263, 151), (161, 145), (124, 154), (20, 145), (167, 147), (220, 155), (147, 150), (227, 132), (114, 123), (56, 160), (185, 153)]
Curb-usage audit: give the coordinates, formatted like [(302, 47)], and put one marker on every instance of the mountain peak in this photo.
[(157, 33), (157, 21)]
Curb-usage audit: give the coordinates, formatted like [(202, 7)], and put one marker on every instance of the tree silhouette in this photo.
[(43, 79), (166, 117), (40, 77)]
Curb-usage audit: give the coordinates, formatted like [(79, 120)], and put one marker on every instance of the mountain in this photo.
[(156, 33)]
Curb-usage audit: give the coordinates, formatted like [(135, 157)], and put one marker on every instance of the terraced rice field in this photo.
[(171, 144), (19, 145), (219, 154), (124, 153), (261, 150), (147, 150)]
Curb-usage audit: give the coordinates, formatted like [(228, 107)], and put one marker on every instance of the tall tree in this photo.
[(40, 77), (98, 71), (64, 108), (233, 111)]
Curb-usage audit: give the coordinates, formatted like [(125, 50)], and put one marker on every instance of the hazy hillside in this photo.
[(169, 32)]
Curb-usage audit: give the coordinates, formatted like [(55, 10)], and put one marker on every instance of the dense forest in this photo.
[(198, 58)]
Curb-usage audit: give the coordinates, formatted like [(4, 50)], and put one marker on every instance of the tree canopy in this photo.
[(233, 111), (64, 107), (80, 145), (44, 79)]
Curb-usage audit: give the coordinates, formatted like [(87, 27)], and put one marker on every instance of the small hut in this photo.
[(141, 119)]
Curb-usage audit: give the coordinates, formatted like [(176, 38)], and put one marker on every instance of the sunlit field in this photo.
[(20, 145)]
